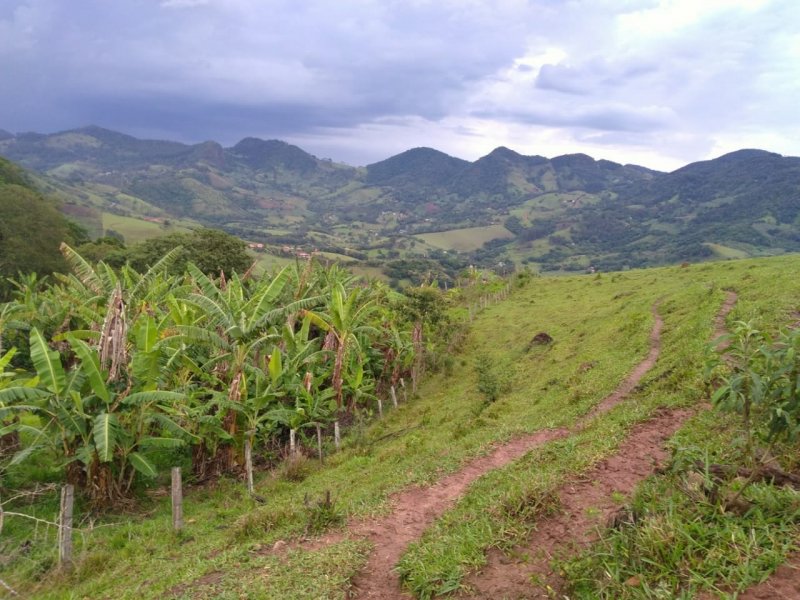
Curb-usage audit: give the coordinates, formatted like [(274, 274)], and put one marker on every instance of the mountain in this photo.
[(423, 167), (569, 212)]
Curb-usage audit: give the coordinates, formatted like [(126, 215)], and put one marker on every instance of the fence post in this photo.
[(337, 440), (248, 465), (319, 443), (177, 499), (380, 406), (292, 443), (394, 397), (65, 525)]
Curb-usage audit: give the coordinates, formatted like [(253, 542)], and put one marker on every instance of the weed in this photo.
[(322, 514), (296, 468)]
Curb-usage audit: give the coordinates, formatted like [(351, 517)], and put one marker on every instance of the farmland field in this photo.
[(136, 230), (465, 240)]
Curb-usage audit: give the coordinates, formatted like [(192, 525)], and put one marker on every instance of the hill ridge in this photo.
[(566, 213)]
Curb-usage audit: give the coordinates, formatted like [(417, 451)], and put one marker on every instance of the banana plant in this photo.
[(235, 323), (347, 314), (106, 432)]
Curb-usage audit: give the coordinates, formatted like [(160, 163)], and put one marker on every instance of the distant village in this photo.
[(292, 251)]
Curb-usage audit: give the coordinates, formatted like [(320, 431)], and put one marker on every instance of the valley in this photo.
[(423, 214)]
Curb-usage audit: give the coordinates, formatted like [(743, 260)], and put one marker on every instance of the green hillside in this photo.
[(31, 227), (505, 421), (567, 213)]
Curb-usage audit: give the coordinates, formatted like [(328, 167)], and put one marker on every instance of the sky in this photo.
[(659, 83)]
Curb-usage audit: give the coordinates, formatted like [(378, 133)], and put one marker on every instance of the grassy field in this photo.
[(726, 251), (465, 240), (137, 230), (602, 321)]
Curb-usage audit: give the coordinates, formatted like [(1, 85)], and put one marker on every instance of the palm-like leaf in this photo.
[(83, 270), (90, 365), (47, 363), (106, 433), (141, 464)]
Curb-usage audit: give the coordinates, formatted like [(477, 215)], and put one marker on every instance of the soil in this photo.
[(208, 580), (586, 503), (719, 320), (627, 386)]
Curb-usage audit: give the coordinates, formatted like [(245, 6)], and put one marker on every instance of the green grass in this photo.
[(682, 544), (603, 320), (465, 240), (458, 541), (136, 230)]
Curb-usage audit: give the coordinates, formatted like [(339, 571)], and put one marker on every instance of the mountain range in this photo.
[(423, 210)]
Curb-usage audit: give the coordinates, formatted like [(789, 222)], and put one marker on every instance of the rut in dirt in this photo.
[(414, 510), (587, 503)]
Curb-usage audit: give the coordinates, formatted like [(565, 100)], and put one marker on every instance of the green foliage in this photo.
[(31, 231), (128, 364), (763, 384), (228, 548), (566, 213), (677, 541), (211, 250), (493, 379)]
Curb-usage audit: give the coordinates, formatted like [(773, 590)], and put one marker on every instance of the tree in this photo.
[(211, 250)]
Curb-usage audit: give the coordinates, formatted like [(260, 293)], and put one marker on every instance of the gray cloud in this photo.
[(605, 118), (359, 76)]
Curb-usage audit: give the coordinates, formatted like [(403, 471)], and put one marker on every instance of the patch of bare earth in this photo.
[(209, 580), (719, 320)]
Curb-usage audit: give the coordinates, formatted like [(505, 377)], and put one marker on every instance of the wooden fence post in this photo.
[(394, 397), (319, 443), (292, 443), (403, 385), (380, 406), (65, 526), (177, 499), (337, 440), (248, 465)]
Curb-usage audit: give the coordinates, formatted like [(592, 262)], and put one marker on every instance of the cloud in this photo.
[(359, 75), (601, 117)]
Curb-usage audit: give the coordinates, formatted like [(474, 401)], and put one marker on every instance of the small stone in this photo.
[(279, 546)]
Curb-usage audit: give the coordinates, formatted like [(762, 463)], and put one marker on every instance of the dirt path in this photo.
[(635, 376), (719, 320), (414, 510), (586, 504)]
